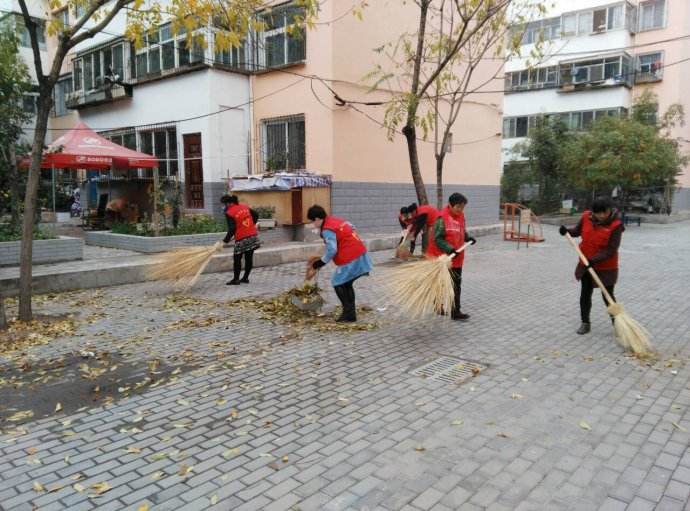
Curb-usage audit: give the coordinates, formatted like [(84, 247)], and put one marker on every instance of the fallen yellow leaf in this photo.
[(38, 487), (585, 426), (58, 407), (143, 507)]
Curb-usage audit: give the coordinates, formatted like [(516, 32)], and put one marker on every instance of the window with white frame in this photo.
[(62, 88), (652, 14), (25, 37), (597, 70), (162, 143), (63, 17), (597, 20), (283, 143), (528, 79), (165, 51), (650, 66), (521, 126), (282, 41)]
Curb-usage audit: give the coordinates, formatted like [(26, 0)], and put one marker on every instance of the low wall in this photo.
[(44, 251), (152, 245)]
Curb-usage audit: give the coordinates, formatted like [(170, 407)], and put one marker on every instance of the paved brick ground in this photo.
[(335, 421)]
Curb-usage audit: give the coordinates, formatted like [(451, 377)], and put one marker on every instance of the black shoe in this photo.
[(233, 282), (346, 319), (244, 280), (584, 329), (460, 316)]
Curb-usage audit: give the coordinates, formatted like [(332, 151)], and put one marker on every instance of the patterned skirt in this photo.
[(246, 244)]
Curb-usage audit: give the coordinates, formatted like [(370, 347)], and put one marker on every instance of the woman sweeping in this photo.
[(449, 235), (242, 225), (601, 230), (349, 254)]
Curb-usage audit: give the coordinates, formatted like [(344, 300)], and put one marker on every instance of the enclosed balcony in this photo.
[(596, 73)]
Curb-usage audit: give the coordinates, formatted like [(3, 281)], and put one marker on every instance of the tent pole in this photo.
[(156, 223), (52, 168)]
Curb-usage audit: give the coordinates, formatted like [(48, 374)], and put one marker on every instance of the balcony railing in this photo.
[(104, 94)]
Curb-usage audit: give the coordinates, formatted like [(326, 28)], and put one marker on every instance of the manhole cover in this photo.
[(449, 370)]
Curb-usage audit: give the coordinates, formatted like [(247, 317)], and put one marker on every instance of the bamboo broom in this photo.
[(630, 334), (424, 287), (401, 251), (184, 266)]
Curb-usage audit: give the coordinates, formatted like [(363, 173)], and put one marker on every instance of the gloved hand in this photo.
[(318, 264), (472, 240), (562, 230)]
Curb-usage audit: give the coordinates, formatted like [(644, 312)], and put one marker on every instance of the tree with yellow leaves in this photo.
[(236, 17)]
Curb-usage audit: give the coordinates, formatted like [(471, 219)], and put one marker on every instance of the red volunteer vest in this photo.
[(350, 247), (244, 224), (455, 236), (596, 238), (431, 212)]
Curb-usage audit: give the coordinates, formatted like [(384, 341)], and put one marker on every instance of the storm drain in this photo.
[(449, 370)]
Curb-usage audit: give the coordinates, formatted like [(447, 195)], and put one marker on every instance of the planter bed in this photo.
[(55, 250), (152, 245)]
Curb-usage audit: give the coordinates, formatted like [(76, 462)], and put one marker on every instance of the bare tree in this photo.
[(443, 59)]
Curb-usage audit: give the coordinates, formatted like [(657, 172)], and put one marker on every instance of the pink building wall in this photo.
[(348, 144), (673, 88)]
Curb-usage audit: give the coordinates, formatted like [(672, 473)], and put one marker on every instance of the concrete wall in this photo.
[(44, 251), (374, 207), (681, 200)]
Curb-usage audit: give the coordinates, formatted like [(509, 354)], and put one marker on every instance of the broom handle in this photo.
[(461, 249), (407, 233), (585, 261), (217, 247)]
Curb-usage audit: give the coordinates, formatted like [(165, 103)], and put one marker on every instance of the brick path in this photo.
[(335, 421)]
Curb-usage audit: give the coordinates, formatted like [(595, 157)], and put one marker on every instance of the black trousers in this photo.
[(456, 273), (346, 295), (248, 264), (586, 296)]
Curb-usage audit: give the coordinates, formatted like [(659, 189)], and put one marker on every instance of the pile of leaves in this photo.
[(282, 310), (307, 294), (21, 335)]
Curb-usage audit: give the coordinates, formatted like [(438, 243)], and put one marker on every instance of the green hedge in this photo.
[(197, 224), (14, 233)]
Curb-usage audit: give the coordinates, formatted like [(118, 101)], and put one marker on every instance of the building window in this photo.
[(650, 67), (160, 53), (77, 75), (25, 37), (517, 127), (62, 88), (162, 143), (528, 79), (30, 103), (282, 41), (597, 70), (79, 10), (284, 142), (652, 14), (63, 17), (233, 57)]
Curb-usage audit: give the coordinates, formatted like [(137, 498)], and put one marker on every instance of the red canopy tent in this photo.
[(83, 148)]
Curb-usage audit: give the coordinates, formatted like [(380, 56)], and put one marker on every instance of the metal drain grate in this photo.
[(449, 370)]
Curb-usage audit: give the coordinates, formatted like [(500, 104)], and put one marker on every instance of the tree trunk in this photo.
[(15, 203), (439, 179), (411, 135), (25, 273), (3, 317)]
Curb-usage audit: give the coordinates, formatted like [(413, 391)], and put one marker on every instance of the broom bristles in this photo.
[(630, 334), (184, 266), (423, 288)]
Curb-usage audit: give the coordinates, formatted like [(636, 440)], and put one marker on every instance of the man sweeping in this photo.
[(601, 230), (349, 254), (242, 225), (448, 236), (423, 219)]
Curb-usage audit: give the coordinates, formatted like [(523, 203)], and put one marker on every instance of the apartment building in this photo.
[(271, 105), (598, 57)]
